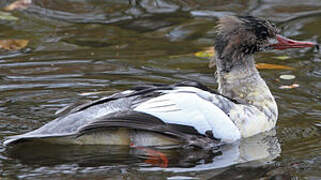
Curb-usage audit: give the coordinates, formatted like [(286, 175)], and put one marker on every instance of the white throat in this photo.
[(244, 84)]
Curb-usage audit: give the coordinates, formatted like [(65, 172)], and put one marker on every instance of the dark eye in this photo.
[(273, 25), (264, 34)]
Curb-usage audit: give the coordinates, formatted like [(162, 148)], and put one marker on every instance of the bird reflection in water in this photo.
[(256, 150)]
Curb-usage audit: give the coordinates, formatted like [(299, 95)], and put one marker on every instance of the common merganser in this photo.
[(186, 113)]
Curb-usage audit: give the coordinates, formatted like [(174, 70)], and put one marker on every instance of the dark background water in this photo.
[(83, 50)]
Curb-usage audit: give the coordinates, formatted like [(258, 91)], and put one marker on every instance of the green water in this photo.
[(83, 50)]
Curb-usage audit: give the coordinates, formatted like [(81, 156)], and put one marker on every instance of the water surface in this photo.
[(84, 50)]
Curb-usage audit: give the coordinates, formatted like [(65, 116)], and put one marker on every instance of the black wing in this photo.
[(138, 120), (146, 122)]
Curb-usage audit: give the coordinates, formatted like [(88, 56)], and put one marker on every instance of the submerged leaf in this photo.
[(13, 44), (272, 66), (20, 4), (206, 53), (289, 86), (7, 16)]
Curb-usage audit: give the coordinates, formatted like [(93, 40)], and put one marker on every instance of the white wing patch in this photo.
[(187, 106), (159, 104)]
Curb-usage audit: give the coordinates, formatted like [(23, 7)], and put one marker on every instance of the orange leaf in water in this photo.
[(13, 44), (272, 66), (20, 4)]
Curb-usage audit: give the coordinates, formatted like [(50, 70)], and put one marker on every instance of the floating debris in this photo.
[(272, 66), (287, 77), (206, 53), (18, 5), (289, 86), (13, 44), (282, 57)]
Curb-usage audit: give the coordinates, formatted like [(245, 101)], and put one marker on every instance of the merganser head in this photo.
[(239, 37)]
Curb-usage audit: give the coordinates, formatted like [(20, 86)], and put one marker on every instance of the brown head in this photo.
[(239, 37)]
